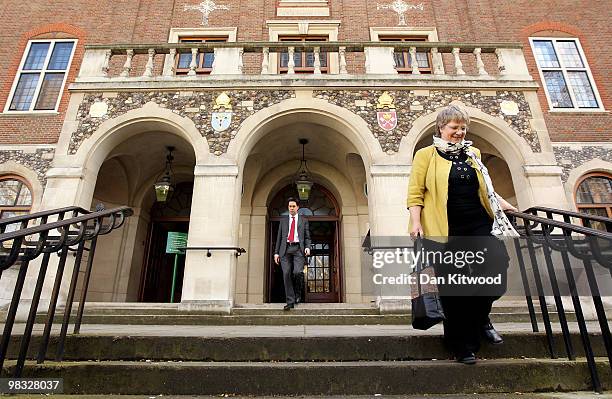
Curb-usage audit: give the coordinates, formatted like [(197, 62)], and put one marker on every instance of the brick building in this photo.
[(92, 94)]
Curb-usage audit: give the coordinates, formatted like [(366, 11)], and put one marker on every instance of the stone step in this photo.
[(275, 317), (319, 378), (293, 348)]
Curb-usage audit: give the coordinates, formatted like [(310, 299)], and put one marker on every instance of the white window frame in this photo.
[(278, 28), (42, 72), (430, 32), (177, 33), (563, 69)]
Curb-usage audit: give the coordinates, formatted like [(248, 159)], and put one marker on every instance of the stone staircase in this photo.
[(272, 314), (336, 350)]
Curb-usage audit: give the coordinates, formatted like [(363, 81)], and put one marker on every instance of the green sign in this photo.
[(175, 245), (176, 242)]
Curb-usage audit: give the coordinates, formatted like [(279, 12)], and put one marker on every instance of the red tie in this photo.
[(292, 230)]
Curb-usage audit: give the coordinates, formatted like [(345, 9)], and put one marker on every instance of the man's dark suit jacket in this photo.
[(283, 231)]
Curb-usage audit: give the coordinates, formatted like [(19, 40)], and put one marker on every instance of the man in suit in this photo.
[(292, 244)]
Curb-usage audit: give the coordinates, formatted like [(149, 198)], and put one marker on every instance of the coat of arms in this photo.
[(387, 117), (220, 120)]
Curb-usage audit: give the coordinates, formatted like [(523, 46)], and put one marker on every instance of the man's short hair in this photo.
[(294, 200)]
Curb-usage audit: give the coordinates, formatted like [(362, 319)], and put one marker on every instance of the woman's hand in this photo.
[(416, 230), (505, 205)]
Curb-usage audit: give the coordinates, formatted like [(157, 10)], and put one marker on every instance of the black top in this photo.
[(466, 215)]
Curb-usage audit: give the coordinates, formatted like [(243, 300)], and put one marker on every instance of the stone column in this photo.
[(208, 282), (389, 216)]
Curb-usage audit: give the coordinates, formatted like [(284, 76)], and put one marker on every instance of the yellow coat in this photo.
[(428, 188)]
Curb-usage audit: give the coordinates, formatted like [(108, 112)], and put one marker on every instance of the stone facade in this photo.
[(39, 161), (410, 106), (197, 106), (570, 157)]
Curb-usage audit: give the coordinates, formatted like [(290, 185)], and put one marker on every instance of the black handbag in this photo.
[(426, 305)]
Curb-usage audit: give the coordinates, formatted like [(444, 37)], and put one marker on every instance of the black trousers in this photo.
[(465, 318), (467, 310), (292, 263)]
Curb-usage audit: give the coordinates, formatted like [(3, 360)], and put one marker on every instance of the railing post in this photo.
[(150, 64), (59, 273), (127, 67), (523, 271), (106, 65), (240, 60), (458, 64), (265, 61), (342, 53), (170, 66), (290, 61), (90, 258), (413, 61), (317, 61), (479, 63), (10, 317), (27, 334), (194, 63), (436, 61), (501, 65), (69, 300), (582, 327)]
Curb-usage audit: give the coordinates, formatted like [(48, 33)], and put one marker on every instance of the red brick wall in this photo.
[(139, 21)]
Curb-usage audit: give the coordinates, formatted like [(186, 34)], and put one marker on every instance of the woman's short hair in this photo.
[(451, 113)]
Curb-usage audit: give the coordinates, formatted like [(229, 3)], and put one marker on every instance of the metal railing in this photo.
[(37, 236), (549, 236)]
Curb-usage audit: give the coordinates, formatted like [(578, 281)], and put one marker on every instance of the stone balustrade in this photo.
[(483, 61)]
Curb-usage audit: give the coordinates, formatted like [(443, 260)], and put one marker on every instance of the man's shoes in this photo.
[(288, 306), (491, 334), (466, 358)]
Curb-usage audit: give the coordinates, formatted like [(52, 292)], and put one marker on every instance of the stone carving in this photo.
[(192, 105), (400, 7), (410, 106), (571, 156), (38, 161), (206, 7)]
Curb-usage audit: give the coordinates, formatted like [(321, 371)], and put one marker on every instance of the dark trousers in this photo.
[(467, 310), (465, 318), (292, 263)]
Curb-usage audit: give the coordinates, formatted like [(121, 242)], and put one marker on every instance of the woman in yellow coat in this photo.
[(450, 194)]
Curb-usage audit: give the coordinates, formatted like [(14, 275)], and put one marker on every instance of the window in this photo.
[(403, 62), (304, 61), (565, 74), (204, 60), (594, 196), (41, 76), (15, 197)]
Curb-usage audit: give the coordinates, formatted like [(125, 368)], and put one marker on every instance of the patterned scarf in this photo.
[(502, 228)]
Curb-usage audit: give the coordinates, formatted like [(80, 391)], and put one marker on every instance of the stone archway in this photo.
[(334, 162), (535, 175)]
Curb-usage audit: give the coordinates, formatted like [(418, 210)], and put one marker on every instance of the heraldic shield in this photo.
[(387, 120), (220, 121)]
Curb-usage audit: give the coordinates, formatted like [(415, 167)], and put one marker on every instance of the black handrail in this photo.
[(239, 251), (585, 218), (584, 243), (28, 243)]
